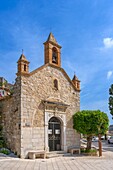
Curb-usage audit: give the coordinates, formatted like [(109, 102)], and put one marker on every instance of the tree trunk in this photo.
[(89, 141), (100, 145)]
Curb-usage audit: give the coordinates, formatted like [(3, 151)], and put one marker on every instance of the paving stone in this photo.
[(60, 163)]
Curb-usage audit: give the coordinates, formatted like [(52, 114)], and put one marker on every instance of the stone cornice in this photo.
[(54, 103), (57, 45)]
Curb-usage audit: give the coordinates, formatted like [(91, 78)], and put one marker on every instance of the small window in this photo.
[(78, 85), (24, 67), (56, 84)]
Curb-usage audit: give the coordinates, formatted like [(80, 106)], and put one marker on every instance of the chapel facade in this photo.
[(39, 113)]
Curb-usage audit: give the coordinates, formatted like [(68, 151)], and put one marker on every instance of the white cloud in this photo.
[(109, 74), (108, 42)]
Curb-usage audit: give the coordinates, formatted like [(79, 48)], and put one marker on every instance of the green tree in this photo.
[(111, 100), (90, 123)]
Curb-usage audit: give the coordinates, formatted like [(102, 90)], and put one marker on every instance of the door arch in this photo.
[(54, 134)]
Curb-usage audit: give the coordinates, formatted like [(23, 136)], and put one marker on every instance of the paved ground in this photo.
[(59, 163)]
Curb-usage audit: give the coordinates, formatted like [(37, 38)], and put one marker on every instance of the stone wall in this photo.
[(72, 138), (32, 138), (23, 114), (37, 88), (11, 118)]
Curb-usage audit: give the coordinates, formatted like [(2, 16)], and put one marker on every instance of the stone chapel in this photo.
[(39, 113)]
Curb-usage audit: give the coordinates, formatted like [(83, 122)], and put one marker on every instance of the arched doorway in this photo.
[(54, 134)]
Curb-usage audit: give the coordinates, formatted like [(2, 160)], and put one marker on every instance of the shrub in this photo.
[(5, 151), (90, 152), (2, 143)]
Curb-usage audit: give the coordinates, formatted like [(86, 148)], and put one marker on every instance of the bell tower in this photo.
[(52, 52), (76, 82), (23, 66)]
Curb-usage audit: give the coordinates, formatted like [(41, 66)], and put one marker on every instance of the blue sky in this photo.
[(84, 29)]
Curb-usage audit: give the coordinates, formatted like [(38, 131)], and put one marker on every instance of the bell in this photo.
[(54, 59)]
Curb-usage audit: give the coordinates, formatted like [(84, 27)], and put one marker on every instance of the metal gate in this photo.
[(54, 134)]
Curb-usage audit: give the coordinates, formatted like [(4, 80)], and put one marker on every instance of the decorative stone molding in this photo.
[(62, 118)]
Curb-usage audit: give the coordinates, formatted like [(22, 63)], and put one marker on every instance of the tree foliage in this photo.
[(111, 99), (90, 123)]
